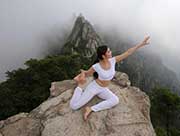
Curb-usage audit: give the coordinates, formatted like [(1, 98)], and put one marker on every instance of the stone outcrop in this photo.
[(54, 117)]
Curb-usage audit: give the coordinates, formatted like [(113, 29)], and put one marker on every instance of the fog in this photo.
[(25, 26)]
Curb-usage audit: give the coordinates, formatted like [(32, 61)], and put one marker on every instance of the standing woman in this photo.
[(105, 69)]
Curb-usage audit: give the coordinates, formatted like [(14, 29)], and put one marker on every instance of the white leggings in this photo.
[(80, 98)]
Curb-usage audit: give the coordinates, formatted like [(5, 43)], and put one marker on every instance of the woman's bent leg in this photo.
[(76, 96), (110, 100), (80, 98)]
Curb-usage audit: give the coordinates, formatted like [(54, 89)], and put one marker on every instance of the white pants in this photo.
[(81, 97)]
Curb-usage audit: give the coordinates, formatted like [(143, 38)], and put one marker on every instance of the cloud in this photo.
[(25, 24)]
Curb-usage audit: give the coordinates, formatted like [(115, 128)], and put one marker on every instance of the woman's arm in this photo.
[(131, 50), (88, 72)]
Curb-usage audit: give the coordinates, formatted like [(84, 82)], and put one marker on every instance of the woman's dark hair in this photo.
[(101, 50)]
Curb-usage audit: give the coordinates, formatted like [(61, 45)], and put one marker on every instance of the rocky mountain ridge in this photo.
[(83, 39)]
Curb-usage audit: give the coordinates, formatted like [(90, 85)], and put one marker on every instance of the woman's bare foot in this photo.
[(87, 112)]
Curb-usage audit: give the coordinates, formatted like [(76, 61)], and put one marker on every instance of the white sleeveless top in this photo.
[(105, 74)]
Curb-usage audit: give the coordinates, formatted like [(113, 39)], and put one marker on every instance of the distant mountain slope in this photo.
[(145, 70)]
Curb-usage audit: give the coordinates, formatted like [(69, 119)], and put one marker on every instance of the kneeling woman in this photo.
[(105, 69)]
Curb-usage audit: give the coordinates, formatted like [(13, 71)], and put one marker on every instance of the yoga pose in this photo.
[(103, 71)]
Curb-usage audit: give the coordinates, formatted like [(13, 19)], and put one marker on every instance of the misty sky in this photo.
[(24, 25)]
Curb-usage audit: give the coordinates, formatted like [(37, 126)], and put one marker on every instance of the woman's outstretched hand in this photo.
[(132, 50), (145, 41)]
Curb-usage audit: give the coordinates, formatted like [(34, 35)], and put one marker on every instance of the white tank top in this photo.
[(105, 74)]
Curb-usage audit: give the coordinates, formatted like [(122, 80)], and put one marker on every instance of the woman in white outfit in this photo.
[(103, 70)]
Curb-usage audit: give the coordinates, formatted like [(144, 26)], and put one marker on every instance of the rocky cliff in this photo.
[(83, 39), (54, 117)]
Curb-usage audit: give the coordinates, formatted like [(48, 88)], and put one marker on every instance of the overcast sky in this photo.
[(24, 25)]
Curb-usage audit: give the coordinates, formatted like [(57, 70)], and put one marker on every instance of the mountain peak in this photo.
[(83, 39), (81, 18)]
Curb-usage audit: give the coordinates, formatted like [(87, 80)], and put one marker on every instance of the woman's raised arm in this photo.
[(132, 50)]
